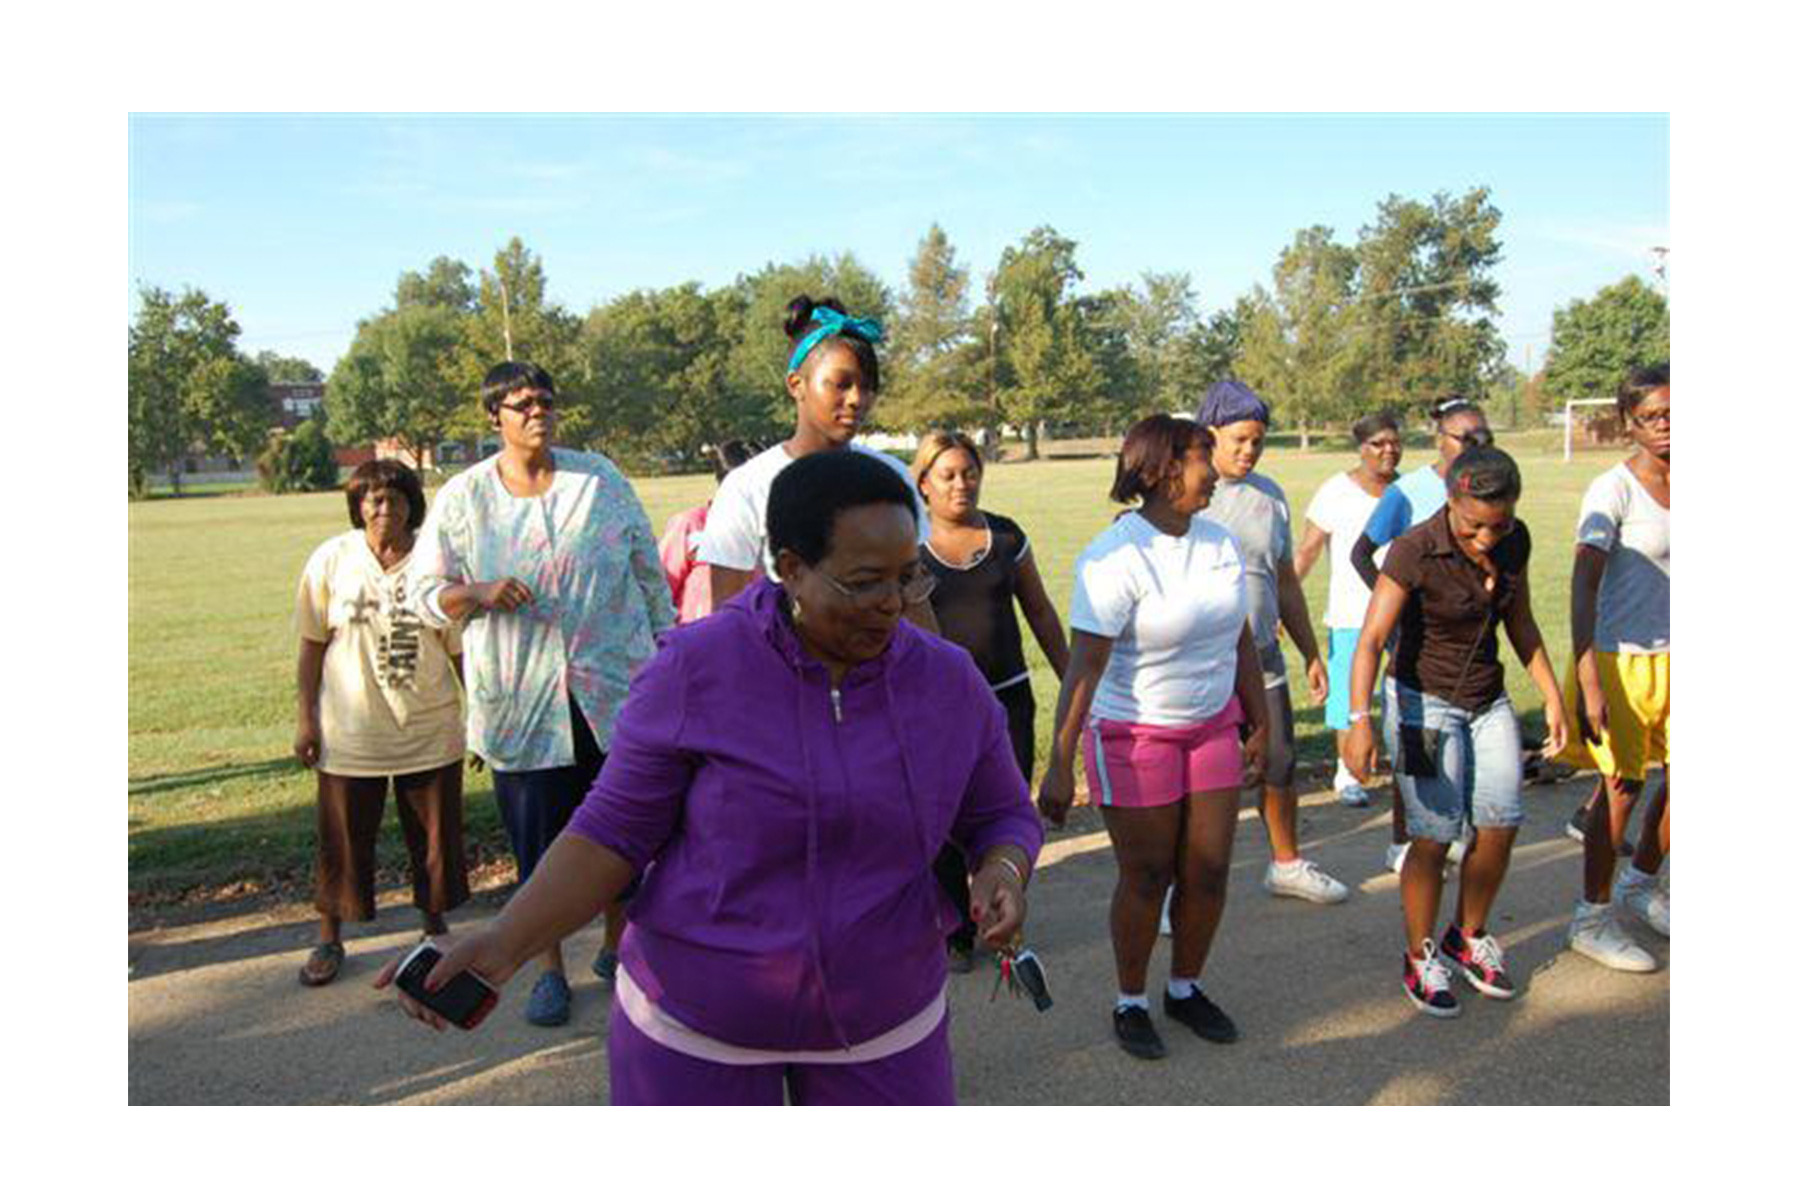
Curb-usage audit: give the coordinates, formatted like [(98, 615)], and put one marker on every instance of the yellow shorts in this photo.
[(1636, 736)]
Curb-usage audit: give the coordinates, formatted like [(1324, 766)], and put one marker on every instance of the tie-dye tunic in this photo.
[(586, 551)]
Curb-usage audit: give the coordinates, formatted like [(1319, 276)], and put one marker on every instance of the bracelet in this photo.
[(1012, 866), (1358, 716)]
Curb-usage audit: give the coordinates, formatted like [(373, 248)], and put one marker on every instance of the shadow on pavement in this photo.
[(216, 1015)]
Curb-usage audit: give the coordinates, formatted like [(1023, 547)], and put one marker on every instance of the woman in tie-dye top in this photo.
[(548, 557)]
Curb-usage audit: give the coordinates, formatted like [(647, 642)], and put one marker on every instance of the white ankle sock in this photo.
[(1181, 989), (1137, 1001)]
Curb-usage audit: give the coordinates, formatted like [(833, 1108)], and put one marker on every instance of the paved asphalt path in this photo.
[(216, 1014)]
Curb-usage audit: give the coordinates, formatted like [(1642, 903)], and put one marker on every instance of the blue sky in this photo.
[(302, 224)]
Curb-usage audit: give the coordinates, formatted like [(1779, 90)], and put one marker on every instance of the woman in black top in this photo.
[(1449, 585), (983, 564)]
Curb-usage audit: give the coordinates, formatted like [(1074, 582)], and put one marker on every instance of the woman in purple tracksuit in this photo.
[(783, 774)]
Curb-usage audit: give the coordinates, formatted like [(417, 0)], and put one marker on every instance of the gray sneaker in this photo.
[(1303, 880), (1595, 932), (1646, 901)]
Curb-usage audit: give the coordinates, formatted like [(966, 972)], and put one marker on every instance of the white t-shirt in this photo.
[(1341, 509), (389, 703), (736, 534), (1621, 518), (1174, 607)]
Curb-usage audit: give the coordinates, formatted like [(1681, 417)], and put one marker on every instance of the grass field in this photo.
[(217, 802)]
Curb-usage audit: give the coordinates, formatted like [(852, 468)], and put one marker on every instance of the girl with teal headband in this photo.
[(834, 378)]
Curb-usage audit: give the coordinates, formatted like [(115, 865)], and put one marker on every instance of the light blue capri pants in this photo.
[(1478, 777)]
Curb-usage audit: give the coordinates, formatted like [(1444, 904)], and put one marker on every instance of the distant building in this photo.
[(444, 454), (297, 402)]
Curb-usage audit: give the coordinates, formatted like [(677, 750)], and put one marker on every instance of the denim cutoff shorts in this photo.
[(1478, 778)]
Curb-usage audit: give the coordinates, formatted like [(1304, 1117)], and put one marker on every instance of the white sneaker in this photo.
[(1644, 899), (1350, 791), (1168, 930), (1595, 932), (1303, 880)]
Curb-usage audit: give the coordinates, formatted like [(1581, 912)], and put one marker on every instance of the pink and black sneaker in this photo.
[(1427, 982), (1481, 961)]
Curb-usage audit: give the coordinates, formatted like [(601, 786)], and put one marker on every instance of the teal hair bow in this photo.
[(832, 323)]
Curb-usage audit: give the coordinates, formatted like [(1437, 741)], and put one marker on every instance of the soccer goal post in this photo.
[(1569, 407)]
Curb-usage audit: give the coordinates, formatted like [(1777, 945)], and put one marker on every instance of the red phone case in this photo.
[(464, 1001)]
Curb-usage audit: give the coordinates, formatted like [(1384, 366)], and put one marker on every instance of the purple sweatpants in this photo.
[(643, 1072)]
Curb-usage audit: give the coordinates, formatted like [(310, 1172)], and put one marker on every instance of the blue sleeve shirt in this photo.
[(1416, 496)]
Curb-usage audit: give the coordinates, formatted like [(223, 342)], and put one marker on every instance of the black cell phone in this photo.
[(1029, 971), (464, 1001)]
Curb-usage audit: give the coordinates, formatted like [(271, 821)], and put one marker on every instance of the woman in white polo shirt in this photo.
[(1164, 693)]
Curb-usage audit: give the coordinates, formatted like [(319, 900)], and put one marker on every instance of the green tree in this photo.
[(301, 461), (511, 318), (1594, 342), (1044, 368), (660, 362), (932, 371), (1210, 351), (1111, 325), (445, 283), (401, 379), (189, 389), (1162, 319), (1427, 297), (1300, 349), (282, 369)]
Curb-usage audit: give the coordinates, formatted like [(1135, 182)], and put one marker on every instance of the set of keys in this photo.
[(1022, 971)]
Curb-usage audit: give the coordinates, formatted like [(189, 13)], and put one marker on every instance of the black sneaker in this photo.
[(1135, 1034), (1482, 963), (1576, 829), (1202, 1016), (1427, 983)]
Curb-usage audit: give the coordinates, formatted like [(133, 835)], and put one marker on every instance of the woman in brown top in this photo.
[(1448, 584)]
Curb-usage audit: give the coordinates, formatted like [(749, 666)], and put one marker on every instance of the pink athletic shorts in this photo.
[(1145, 766)]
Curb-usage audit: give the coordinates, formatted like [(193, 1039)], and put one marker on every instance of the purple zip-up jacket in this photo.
[(787, 829)]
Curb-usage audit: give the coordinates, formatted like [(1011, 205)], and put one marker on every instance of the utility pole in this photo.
[(1525, 383), (993, 343), (505, 314)]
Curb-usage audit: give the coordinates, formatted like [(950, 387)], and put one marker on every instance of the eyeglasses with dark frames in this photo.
[(913, 588), (545, 403)]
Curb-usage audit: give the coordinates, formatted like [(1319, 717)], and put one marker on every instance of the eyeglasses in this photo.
[(1463, 438), (1646, 420), (913, 587), (541, 403)]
